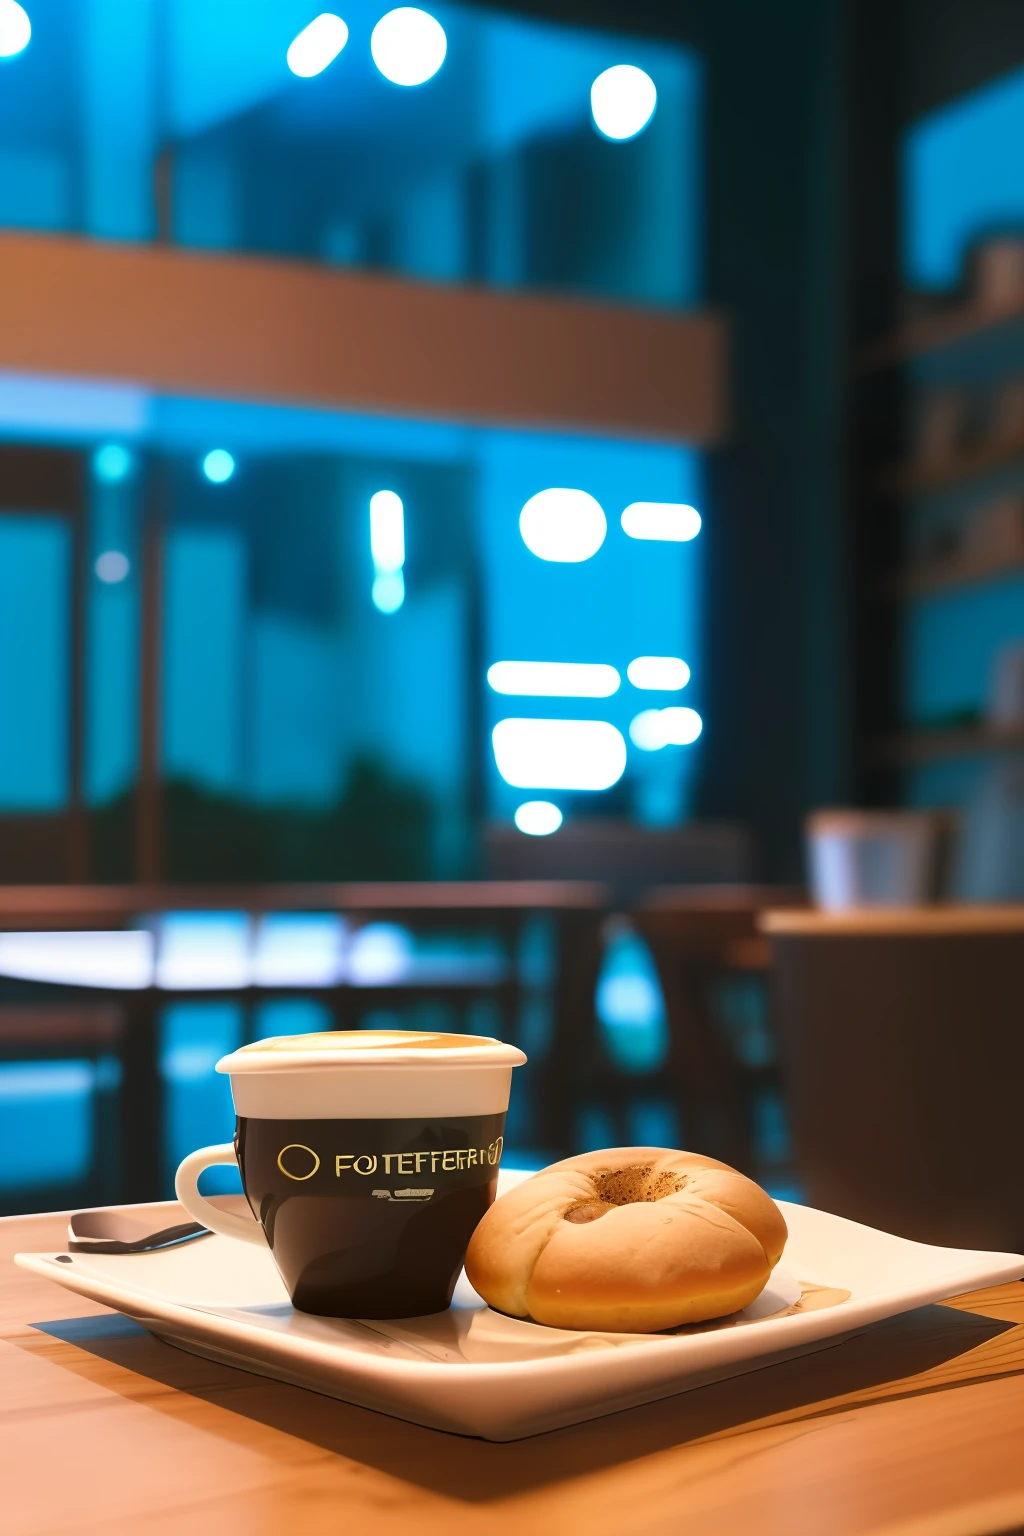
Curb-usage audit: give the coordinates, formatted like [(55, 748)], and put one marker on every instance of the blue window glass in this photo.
[(527, 154), (197, 1100), (35, 593), (629, 1006), (963, 177), (307, 731), (113, 609), (46, 1123)]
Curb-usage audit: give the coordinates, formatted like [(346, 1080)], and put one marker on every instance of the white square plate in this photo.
[(473, 1372)]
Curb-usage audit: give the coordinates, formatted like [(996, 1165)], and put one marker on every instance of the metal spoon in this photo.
[(111, 1232)]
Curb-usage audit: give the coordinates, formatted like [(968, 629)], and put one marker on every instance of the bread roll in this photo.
[(634, 1239)]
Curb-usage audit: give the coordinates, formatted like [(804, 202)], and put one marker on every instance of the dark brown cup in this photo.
[(366, 1216)]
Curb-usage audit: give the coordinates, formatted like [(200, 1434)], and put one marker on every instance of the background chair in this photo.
[(903, 1061)]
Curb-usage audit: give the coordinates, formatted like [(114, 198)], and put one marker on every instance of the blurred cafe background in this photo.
[(512, 520)]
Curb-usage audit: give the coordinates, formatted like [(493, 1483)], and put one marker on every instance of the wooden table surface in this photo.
[(913, 1428)]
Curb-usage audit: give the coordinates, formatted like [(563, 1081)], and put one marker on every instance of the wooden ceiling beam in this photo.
[(241, 327)]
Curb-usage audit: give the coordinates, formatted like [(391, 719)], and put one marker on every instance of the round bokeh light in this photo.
[(538, 818), (563, 525), (15, 28), (218, 466), (317, 45), (112, 566), (622, 100), (408, 46)]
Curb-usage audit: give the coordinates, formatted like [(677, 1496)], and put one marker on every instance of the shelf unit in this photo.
[(932, 576), (934, 333), (889, 486), (909, 479), (927, 746)]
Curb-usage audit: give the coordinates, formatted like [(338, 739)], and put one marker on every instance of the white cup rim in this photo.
[(275, 1056)]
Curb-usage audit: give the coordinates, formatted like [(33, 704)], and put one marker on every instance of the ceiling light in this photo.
[(218, 466), (671, 521), (680, 726), (653, 729), (623, 100), (317, 45), (558, 754), (554, 679), (538, 818), (121, 959), (408, 46), (662, 672), (387, 531), (645, 730), (15, 28), (563, 525)]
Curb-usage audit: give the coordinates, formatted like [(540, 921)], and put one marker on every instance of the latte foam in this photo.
[(334, 1052), (344, 1041)]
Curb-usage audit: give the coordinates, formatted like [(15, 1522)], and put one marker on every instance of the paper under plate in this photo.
[(474, 1372)]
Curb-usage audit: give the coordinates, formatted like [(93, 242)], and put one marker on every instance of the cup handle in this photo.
[(186, 1187)]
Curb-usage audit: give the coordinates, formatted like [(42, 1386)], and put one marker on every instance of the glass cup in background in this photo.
[(872, 858)]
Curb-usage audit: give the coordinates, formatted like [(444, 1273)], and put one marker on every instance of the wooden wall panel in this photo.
[(242, 327)]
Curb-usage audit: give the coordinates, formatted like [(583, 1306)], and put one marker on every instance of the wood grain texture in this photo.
[(248, 328), (912, 1428)]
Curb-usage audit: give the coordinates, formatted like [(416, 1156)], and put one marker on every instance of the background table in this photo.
[(912, 1428), (80, 1017)]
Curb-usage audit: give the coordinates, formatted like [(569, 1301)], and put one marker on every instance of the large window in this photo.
[(364, 641), (473, 151)]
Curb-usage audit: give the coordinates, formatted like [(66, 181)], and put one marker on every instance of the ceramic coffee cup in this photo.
[(367, 1158)]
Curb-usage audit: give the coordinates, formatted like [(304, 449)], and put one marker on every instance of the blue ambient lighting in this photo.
[(962, 178), (408, 46), (47, 1122), (554, 679), (317, 45), (380, 955), (563, 525), (538, 818), (559, 754), (622, 100), (218, 466), (15, 29), (112, 463)]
